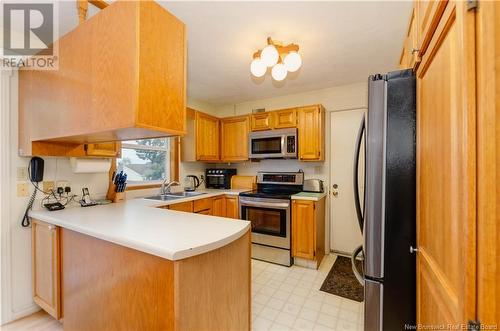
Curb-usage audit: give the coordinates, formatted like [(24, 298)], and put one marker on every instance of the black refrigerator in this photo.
[(387, 211)]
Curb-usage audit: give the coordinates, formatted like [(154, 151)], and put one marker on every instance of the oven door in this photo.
[(270, 220)]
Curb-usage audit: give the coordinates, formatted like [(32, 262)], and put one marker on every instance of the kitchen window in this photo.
[(145, 161)]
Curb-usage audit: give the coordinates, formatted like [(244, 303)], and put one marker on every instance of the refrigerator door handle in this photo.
[(357, 201), (359, 276)]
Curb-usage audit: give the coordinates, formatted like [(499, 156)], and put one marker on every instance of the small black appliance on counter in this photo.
[(219, 178)]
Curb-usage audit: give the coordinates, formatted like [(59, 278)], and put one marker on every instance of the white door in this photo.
[(345, 234)]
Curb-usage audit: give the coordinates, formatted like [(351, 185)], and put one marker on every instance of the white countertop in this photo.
[(137, 224), (308, 196)]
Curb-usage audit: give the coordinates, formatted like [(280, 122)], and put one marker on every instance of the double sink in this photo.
[(174, 196)]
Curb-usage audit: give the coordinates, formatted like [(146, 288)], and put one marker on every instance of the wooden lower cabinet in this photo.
[(46, 266), (222, 206), (232, 207), (182, 206), (203, 206), (219, 206), (308, 229)]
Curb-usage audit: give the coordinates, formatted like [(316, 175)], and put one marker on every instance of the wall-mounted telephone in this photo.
[(36, 169), (35, 172)]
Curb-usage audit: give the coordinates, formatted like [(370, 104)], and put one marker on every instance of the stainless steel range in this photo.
[(269, 210)]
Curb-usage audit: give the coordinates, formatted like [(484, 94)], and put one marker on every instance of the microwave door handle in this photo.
[(357, 201)]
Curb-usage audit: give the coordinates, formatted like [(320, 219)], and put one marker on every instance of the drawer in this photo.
[(202, 204), (182, 206)]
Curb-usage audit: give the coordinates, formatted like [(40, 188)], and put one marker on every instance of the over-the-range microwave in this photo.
[(273, 144)]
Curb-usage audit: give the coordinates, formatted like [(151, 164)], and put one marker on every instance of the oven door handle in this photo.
[(282, 205)]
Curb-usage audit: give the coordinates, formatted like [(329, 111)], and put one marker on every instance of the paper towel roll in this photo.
[(90, 165)]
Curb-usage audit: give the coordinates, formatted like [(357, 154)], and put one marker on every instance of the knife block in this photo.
[(114, 196)]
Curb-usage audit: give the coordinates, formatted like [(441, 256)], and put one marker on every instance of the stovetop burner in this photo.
[(275, 185)]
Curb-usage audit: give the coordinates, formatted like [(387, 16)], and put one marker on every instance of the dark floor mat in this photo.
[(341, 280)]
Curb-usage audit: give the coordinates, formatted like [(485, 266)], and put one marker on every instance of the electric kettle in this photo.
[(191, 183)]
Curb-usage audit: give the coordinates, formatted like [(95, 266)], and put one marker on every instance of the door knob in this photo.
[(413, 250)]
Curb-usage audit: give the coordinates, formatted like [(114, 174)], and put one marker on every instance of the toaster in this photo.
[(313, 185)]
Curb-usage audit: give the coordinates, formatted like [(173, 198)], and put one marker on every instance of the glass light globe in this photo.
[(279, 72), (258, 68), (292, 61), (269, 55)]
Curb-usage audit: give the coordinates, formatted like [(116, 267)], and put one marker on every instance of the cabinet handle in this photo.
[(414, 50), (52, 227), (413, 250)]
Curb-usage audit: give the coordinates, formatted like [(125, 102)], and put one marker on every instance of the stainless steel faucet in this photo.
[(166, 188)]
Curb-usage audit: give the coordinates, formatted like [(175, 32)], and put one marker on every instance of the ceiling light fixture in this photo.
[(281, 58)]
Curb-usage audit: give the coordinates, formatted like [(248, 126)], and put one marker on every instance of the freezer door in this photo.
[(374, 305), (373, 231)]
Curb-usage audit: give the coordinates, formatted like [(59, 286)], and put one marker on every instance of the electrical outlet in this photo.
[(22, 190), (48, 185), (63, 183), (22, 173)]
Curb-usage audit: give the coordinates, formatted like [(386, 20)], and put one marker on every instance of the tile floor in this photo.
[(282, 299), (289, 299)]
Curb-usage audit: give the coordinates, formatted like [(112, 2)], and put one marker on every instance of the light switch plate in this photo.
[(22, 190), (22, 173)]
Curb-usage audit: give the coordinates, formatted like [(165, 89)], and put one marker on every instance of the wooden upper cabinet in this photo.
[(303, 229), (46, 267), (121, 75), (286, 118), (410, 54), (234, 138), (112, 149), (311, 130), (262, 121), (207, 137), (428, 14)]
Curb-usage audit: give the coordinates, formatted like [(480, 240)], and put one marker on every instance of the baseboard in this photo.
[(23, 312)]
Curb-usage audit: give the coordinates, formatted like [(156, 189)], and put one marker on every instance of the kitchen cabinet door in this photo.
[(446, 171), (202, 205), (409, 55), (286, 118), (234, 138), (219, 206), (182, 206), (111, 149), (46, 267), (428, 13), (311, 128), (207, 137), (262, 121), (303, 229), (232, 208)]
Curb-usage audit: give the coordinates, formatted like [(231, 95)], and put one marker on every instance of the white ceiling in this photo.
[(341, 42)]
